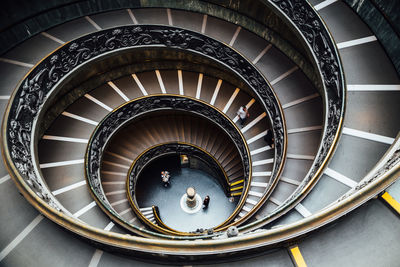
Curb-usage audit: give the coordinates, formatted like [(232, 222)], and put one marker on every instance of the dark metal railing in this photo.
[(36, 87), (139, 107), (161, 150), (41, 82), (301, 15), (178, 148)]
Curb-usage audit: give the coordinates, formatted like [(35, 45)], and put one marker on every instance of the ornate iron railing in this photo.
[(175, 148), (41, 84), (18, 126), (167, 149), (137, 108), (301, 15)]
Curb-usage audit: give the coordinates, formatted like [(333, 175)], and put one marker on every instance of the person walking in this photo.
[(243, 114), (269, 138), (165, 178), (206, 202)]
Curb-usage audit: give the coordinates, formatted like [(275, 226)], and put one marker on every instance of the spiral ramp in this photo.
[(364, 237)]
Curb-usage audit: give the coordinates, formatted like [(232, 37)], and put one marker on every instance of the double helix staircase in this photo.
[(370, 127)]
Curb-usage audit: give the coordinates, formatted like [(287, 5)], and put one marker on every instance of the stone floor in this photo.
[(152, 192)]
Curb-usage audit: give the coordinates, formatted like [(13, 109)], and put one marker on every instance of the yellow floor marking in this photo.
[(237, 182), (236, 188), (297, 257), (391, 201)]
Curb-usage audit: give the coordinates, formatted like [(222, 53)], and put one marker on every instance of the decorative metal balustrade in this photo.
[(165, 149), (137, 108), (301, 15), (41, 82), (176, 148), (35, 89)]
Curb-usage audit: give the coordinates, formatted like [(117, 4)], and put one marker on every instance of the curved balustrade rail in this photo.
[(162, 150), (302, 16), (312, 31), (157, 217), (175, 148), (385, 172), (41, 82), (19, 131), (136, 108)]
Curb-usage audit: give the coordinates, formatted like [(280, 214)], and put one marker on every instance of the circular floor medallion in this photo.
[(189, 210)]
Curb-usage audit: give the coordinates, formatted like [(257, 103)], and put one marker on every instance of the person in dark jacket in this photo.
[(269, 138), (206, 202), (243, 114)]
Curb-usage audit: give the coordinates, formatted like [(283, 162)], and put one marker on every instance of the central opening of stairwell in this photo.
[(180, 203)]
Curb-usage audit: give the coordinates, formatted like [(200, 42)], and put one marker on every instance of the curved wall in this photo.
[(38, 16), (383, 17)]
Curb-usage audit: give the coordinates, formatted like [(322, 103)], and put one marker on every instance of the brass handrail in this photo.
[(156, 212), (135, 208), (334, 97), (187, 248), (188, 144), (387, 173), (97, 191)]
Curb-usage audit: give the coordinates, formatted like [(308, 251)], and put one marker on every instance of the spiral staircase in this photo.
[(291, 210)]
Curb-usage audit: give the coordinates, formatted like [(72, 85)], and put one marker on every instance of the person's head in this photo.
[(244, 108), (207, 197)]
